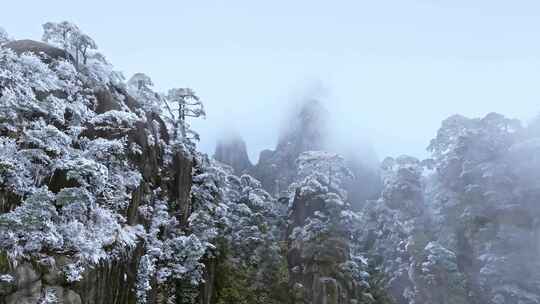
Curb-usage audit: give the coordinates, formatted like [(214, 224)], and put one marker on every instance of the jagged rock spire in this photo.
[(305, 131), (233, 152)]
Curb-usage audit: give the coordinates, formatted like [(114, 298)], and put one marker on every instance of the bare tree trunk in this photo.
[(182, 118)]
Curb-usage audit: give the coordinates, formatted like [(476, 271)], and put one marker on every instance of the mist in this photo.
[(392, 71), (305, 152)]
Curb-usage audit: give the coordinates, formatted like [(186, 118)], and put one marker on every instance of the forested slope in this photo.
[(104, 198)]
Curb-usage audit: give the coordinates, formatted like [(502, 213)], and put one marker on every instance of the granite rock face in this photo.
[(38, 48), (305, 131), (31, 286), (233, 152), (315, 274), (111, 282), (308, 130)]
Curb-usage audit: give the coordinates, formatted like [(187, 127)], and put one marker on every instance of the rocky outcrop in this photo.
[(315, 267), (28, 285), (36, 47), (111, 281), (207, 288), (308, 130), (232, 151), (305, 131)]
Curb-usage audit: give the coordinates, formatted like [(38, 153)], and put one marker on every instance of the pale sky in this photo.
[(391, 70)]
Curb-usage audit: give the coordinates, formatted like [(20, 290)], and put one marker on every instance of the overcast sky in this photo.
[(389, 70)]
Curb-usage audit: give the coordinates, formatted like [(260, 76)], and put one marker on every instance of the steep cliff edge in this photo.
[(83, 172), (305, 131), (308, 129), (323, 267), (232, 151), (104, 198)]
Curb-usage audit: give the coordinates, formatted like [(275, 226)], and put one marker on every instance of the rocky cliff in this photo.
[(233, 152), (308, 129), (305, 131), (104, 198), (315, 275), (68, 144), (322, 266)]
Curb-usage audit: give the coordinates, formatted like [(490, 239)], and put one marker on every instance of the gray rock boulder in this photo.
[(25, 275), (30, 294), (38, 48)]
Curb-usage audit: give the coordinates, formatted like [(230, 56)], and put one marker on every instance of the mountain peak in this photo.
[(232, 151)]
